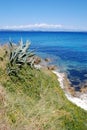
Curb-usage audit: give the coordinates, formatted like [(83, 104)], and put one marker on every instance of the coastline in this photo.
[(78, 98), (80, 101)]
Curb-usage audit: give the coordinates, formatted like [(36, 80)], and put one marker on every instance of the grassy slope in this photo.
[(35, 101)]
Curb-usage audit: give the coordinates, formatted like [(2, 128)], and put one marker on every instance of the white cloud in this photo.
[(43, 27), (35, 26)]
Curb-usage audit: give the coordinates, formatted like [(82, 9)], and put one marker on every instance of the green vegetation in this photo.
[(33, 100), (18, 55)]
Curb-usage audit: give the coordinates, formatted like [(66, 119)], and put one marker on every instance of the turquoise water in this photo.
[(68, 50)]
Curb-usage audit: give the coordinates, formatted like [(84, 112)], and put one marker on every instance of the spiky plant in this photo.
[(18, 55)]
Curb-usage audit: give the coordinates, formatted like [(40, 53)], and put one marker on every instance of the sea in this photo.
[(67, 50)]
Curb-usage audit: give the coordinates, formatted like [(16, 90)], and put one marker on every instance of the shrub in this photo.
[(18, 55)]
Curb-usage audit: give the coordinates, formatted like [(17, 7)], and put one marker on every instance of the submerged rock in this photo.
[(51, 67), (47, 59)]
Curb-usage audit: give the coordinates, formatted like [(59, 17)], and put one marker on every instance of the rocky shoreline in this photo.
[(78, 98)]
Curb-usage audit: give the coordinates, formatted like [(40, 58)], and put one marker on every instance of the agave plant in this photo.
[(18, 56)]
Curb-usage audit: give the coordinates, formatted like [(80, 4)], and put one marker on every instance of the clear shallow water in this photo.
[(67, 49)]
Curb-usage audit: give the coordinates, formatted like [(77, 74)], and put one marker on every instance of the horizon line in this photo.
[(25, 30)]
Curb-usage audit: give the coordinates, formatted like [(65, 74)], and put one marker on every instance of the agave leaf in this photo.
[(16, 53), (31, 55), (10, 43), (26, 47), (21, 44), (22, 55), (19, 54)]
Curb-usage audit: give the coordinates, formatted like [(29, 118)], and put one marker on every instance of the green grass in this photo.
[(35, 101)]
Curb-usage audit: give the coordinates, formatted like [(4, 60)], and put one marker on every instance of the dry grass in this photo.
[(35, 101)]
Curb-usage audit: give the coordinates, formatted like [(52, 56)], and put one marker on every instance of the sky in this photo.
[(43, 15)]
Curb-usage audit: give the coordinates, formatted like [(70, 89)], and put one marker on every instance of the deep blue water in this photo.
[(68, 50)]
